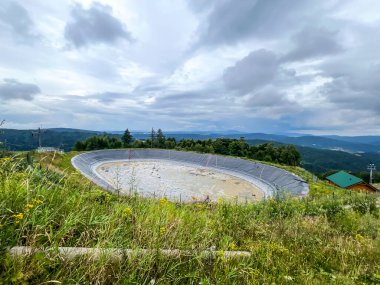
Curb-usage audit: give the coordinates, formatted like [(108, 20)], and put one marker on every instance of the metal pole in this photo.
[(371, 168), (39, 137)]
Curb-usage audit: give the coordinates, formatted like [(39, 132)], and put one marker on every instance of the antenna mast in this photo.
[(39, 135), (371, 168)]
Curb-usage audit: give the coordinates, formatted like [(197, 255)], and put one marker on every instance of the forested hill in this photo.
[(324, 160), (28, 139)]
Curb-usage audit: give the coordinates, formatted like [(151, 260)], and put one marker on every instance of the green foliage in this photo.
[(330, 237), (284, 154), (127, 138), (98, 142), (287, 155)]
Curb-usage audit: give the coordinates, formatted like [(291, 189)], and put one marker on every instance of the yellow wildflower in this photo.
[(37, 201), (163, 201), (232, 246), (127, 212), (162, 231), (19, 216), (359, 236), (29, 206)]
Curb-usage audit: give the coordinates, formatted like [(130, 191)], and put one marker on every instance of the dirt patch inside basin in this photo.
[(176, 181)]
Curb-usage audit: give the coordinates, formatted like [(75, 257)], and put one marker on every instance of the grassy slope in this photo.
[(330, 237)]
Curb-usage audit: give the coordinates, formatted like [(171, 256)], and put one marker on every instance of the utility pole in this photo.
[(4, 144), (371, 167), (38, 133), (152, 137)]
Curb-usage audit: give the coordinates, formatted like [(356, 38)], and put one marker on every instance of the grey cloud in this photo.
[(94, 25), (272, 102), (252, 72), (198, 6), (355, 81), (11, 89), (312, 43), (109, 97), (267, 98), (16, 18), (347, 95), (182, 99), (230, 21)]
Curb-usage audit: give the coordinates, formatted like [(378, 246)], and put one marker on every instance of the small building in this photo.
[(347, 181), (49, 149)]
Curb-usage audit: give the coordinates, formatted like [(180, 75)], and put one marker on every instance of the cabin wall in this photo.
[(361, 187)]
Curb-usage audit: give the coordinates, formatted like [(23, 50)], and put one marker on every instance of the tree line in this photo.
[(286, 154)]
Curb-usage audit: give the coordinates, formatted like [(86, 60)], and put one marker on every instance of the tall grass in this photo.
[(330, 237)]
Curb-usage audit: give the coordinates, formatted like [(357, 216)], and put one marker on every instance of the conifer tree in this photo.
[(160, 138), (127, 138)]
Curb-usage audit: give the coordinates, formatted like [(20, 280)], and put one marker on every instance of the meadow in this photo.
[(332, 236)]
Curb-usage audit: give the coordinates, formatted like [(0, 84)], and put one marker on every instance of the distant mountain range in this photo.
[(324, 160), (319, 153)]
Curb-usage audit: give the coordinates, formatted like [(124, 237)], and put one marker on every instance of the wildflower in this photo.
[(19, 216), (295, 199), (232, 246), (162, 231), (220, 200), (359, 236), (163, 201), (127, 212), (37, 201), (288, 278), (29, 206)]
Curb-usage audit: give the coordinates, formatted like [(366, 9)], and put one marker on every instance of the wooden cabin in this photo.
[(345, 180)]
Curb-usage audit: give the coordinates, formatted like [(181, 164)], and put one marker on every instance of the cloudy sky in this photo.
[(273, 66)]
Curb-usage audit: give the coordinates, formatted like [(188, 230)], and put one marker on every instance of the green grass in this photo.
[(330, 237)]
